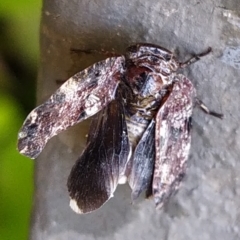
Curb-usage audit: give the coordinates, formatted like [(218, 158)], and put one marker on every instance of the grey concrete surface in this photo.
[(207, 207)]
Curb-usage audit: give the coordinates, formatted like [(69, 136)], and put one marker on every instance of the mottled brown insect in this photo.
[(141, 133)]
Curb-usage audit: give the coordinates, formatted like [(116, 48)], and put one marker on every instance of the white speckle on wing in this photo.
[(165, 173), (92, 110), (22, 135), (93, 98), (69, 86), (164, 129), (34, 116)]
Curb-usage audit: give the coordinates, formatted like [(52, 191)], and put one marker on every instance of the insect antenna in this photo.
[(195, 58), (93, 51)]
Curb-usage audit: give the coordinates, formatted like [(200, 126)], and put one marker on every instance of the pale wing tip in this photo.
[(28, 155), (27, 146), (73, 205), (26, 151), (122, 179), (23, 151)]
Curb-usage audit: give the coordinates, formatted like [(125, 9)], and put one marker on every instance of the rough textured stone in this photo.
[(207, 206)]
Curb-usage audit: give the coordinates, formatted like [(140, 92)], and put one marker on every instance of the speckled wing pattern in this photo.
[(173, 124), (95, 176), (80, 97), (149, 148)]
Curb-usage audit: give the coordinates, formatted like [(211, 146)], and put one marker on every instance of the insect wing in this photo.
[(173, 124), (142, 163), (95, 176), (82, 96)]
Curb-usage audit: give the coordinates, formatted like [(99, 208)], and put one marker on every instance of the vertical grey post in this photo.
[(207, 206)]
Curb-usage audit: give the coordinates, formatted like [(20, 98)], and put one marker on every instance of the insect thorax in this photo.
[(150, 72), (155, 58)]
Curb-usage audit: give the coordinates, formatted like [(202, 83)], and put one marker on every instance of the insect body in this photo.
[(141, 132)]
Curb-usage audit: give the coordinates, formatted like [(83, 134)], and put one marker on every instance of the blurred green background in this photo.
[(19, 52)]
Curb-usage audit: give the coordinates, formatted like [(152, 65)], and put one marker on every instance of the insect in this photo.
[(140, 132)]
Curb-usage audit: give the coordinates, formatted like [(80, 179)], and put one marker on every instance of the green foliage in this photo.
[(19, 37), (16, 181)]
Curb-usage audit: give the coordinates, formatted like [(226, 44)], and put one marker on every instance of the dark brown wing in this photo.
[(95, 176), (142, 163), (82, 96), (172, 133)]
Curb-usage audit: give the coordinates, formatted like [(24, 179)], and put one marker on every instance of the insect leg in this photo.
[(204, 108), (195, 58)]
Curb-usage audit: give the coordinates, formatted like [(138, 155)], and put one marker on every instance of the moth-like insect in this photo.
[(141, 133)]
